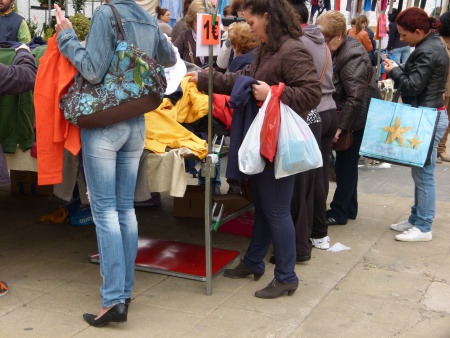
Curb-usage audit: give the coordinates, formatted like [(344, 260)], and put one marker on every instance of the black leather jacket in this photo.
[(424, 75)]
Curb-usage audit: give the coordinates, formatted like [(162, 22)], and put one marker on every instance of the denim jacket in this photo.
[(140, 28)]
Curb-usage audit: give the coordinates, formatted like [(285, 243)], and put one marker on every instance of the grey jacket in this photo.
[(355, 84), (315, 43), (424, 75)]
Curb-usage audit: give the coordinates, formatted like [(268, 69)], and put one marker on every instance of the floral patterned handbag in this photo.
[(133, 85)]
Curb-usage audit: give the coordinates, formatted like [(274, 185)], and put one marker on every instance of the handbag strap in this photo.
[(191, 55), (327, 59), (119, 28)]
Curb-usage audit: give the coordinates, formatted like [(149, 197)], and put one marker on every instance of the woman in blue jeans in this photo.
[(422, 82), (111, 154)]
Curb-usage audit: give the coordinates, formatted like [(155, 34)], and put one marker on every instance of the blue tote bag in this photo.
[(399, 133)]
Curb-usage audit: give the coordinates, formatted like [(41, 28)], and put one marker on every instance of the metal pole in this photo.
[(208, 199)]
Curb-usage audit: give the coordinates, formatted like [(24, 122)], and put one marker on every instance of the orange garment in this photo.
[(362, 37), (53, 133)]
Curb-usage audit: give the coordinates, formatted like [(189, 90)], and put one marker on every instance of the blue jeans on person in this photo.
[(273, 224), (111, 160), (345, 199), (424, 208), (400, 55)]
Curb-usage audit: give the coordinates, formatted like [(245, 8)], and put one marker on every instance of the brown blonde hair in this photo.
[(197, 6), (241, 38), (332, 23)]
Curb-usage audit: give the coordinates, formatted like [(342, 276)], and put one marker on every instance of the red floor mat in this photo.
[(241, 225), (177, 258)]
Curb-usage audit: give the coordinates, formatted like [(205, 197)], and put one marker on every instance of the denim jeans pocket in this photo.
[(114, 132)]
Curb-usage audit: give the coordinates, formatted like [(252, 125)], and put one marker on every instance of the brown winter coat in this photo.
[(291, 64)]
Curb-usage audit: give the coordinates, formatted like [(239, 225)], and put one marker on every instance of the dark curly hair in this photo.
[(283, 20), (445, 20)]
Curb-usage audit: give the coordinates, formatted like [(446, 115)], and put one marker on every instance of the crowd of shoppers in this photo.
[(329, 82)]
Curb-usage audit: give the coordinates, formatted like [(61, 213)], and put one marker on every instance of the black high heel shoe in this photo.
[(276, 289), (116, 314), (241, 271)]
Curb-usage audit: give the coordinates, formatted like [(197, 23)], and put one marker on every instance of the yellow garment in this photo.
[(163, 130), (193, 105), (57, 216)]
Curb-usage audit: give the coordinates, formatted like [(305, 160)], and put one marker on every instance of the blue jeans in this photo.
[(273, 224), (424, 208), (111, 160), (400, 55)]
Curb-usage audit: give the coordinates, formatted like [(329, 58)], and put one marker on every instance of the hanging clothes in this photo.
[(367, 5), (400, 5), (383, 5), (359, 6), (423, 3), (374, 5)]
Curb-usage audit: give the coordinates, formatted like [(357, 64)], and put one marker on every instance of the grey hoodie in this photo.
[(315, 43)]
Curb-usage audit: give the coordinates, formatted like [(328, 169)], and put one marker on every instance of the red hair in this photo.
[(415, 18)]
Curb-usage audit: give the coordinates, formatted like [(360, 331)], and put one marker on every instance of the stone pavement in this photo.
[(381, 288)]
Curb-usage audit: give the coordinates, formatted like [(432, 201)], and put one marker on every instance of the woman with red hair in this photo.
[(421, 81)]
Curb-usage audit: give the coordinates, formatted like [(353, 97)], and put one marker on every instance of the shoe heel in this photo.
[(291, 292), (256, 276)]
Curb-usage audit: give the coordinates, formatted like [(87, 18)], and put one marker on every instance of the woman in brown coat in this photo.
[(282, 57)]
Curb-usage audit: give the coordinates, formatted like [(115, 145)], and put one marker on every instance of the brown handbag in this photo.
[(344, 141)]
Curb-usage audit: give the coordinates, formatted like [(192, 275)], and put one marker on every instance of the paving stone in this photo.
[(436, 293)]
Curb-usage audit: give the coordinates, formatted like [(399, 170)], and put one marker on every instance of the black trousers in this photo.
[(345, 199), (309, 199), (321, 182), (302, 206)]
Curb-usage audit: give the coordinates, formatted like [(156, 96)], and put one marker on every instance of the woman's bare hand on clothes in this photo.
[(193, 75), (260, 90)]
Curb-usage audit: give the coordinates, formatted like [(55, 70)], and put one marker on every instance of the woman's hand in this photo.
[(260, 90), (61, 21), (193, 75), (389, 65), (336, 136)]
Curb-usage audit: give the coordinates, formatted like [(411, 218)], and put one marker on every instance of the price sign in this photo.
[(210, 33)]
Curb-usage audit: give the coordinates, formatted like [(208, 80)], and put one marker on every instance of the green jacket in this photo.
[(16, 114)]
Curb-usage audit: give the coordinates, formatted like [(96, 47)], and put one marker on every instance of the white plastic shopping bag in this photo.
[(250, 160), (297, 149)]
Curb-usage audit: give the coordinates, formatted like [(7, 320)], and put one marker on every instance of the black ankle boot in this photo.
[(116, 314), (241, 271), (276, 289)]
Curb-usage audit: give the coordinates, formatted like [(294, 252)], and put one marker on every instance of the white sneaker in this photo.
[(402, 226), (321, 243), (414, 235)]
